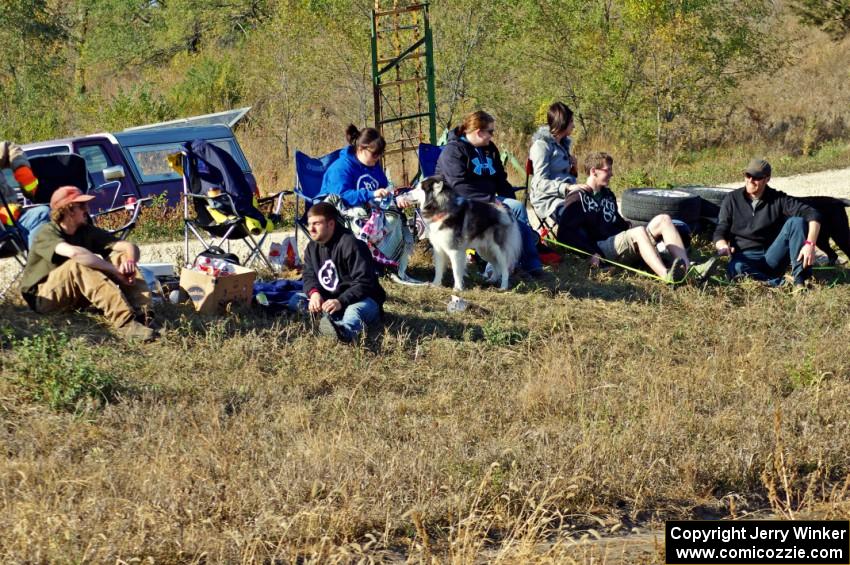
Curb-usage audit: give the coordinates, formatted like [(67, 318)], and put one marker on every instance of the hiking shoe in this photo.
[(134, 331), (328, 328), (705, 270), (677, 272), (146, 319)]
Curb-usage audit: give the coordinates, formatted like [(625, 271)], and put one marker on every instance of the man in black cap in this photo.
[(762, 230)]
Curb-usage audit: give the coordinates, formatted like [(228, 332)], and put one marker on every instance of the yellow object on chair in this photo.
[(254, 226)]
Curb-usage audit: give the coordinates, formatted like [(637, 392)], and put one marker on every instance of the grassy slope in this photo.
[(601, 402)]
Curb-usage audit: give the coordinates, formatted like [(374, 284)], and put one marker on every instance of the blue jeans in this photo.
[(351, 320), (529, 260), (32, 219), (770, 264)]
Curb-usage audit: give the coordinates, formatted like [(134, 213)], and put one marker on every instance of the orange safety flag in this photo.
[(27, 180), (4, 214)]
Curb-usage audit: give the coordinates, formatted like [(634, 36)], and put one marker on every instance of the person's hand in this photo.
[(595, 260), (807, 254), (725, 251), (315, 304), (129, 268), (403, 202), (123, 278), (381, 193), (331, 306)]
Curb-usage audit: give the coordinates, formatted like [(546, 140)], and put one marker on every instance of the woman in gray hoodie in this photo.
[(554, 167)]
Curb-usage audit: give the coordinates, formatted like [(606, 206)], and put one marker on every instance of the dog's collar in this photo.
[(439, 217)]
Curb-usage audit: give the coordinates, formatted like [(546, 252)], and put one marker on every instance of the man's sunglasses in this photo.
[(753, 177)]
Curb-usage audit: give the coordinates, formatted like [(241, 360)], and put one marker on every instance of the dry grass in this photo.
[(582, 407)]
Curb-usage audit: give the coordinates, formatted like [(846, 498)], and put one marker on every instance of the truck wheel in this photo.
[(643, 204)]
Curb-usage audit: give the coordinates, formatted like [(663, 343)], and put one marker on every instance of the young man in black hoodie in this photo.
[(340, 283), (762, 230), (591, 222)]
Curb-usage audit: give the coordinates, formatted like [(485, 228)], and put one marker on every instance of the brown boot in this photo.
[(134, 331)]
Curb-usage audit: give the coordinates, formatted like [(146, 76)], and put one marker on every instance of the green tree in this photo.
[(33, 78)]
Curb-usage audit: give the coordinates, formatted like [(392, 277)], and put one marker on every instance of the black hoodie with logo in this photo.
[(475, 173), (589, 218), (342, 268)]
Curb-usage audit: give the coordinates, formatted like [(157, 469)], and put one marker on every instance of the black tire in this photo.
[(711, 197), (643, 204)]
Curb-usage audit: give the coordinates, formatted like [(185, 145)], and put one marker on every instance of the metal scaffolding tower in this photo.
[(403, 82)]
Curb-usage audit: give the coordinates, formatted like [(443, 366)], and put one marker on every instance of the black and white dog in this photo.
[(456, 224)]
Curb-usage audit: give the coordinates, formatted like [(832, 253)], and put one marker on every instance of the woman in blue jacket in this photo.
[(359, 181), (471, 165), (356, 177)]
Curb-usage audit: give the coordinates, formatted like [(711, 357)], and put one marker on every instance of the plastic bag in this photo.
[(289, 253)]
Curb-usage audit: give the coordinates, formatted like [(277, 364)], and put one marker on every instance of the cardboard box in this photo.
[(211, 294)]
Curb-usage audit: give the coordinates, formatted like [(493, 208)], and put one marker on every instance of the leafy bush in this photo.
[(502, 334), (53, 370)]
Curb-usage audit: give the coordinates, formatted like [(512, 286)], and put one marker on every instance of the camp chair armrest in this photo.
[(298, 192), (139, 202), (277, 198), (274, 196)]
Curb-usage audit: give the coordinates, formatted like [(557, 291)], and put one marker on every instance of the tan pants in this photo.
[(73, 285)]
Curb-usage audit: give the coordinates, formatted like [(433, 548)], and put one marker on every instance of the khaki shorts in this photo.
[(622, 247)]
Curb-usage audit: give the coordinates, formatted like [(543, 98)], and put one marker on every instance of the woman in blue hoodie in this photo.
[(471, 165), (356, 176), (359, 181)]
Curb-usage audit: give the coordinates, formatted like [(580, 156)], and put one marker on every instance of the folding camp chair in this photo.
[(222, 201), (12, 244), (428, 155), (112, 197), (309, 173), (545, 226)]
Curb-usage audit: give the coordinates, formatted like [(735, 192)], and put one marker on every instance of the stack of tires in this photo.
[(696, 206)]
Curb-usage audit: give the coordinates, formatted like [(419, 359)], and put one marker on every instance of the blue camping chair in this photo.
[(428, 155), (309, 173)]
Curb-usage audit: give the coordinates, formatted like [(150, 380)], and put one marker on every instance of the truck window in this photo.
[(51, 150), (96, 161), (151, 161)]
